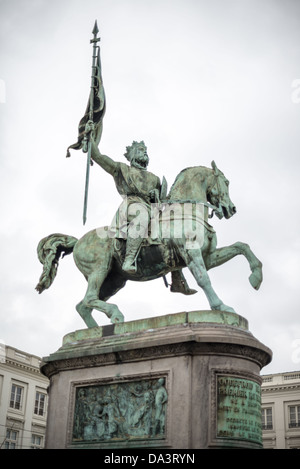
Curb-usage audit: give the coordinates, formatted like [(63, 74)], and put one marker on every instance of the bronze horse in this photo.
[(99, 257)]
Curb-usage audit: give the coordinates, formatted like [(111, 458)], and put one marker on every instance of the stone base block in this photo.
[(187, 380)]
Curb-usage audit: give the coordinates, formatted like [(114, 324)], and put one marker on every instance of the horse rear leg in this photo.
[(91, 301), (86, 314)]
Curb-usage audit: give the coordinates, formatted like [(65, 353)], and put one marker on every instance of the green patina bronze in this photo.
[(153, 232), (238, 409), (120, 411), (157, 322), (101, 258)]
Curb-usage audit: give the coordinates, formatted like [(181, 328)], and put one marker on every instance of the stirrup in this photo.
[(129, 267)]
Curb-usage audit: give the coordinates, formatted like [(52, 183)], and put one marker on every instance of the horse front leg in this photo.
[(224, 254), (194, 261)]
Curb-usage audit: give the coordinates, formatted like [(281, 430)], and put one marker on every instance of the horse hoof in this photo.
[(117, 317), (255, 280), (225, 309)]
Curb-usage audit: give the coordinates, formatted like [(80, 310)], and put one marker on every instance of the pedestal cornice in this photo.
[(193, 333)]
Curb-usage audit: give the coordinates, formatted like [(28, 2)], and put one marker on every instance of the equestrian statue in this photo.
[(154, 232)]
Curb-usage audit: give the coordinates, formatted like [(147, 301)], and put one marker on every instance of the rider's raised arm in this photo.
[(104, 161)]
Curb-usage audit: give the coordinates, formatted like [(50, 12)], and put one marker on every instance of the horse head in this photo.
[(218, 194)]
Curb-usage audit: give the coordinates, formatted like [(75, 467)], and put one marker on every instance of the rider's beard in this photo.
[(140, 162)]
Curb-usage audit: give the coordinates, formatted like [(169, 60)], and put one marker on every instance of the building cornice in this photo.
[(14, 364), (280, 387)]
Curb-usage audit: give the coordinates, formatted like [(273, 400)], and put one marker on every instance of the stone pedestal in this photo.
[(187, 380)]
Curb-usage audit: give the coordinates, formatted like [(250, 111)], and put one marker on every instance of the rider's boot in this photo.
[(132, 247), (179, 284)]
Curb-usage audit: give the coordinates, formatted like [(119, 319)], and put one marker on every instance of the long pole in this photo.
[(91, 118)]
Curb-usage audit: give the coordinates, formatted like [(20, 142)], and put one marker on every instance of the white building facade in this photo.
[(281, 410), (23, 400)]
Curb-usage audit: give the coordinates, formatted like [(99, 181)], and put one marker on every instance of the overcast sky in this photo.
[(198, 81)]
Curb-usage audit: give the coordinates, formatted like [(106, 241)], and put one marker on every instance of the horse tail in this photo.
[(49, 251)]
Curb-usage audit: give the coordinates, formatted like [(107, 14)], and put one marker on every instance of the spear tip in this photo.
[(96, 29)]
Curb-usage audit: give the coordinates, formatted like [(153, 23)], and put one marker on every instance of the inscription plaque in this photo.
[(120, 411), (238, 409)]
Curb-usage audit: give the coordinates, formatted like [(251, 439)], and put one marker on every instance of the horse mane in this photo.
[(180, 176)]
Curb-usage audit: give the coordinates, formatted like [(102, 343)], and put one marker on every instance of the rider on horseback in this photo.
[(138, 187)]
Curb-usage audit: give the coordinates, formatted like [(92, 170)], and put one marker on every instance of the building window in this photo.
[(36, 442), (294, 416), (40, 403), (16, 397), (11, 439), (266, 418)]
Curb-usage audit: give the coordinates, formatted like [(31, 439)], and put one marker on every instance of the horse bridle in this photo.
[(217, 210)]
